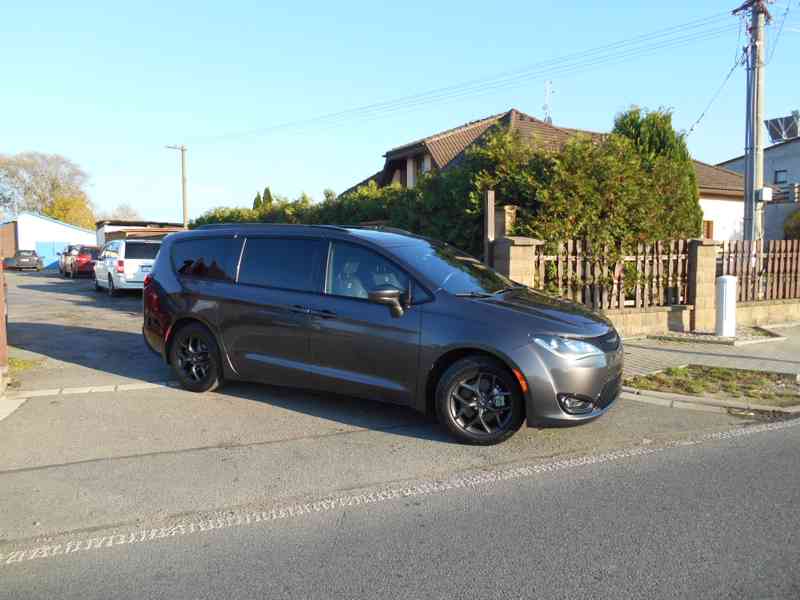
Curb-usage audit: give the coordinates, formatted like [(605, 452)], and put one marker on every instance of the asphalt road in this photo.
[(712, 519)]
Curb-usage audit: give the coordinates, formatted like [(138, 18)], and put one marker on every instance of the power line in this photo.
[(484, 90), (637, 46), (739, 62), (778, 35), (571, 70)]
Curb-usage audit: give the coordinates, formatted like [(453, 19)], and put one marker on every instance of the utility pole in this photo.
[(754, 130), (182, 148)]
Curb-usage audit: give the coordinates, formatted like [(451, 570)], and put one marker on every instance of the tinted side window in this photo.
[(292, 264), (210, 258), (355, 271), (141, 250)]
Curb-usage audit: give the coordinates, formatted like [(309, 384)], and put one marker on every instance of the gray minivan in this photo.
[(378, 314)]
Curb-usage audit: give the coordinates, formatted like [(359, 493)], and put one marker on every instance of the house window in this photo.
[(781, 176), (708, 230)]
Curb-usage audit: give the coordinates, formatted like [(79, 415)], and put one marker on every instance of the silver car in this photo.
[(123, 264)]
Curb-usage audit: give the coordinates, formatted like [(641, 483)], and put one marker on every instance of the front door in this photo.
[(265, 320), (358, 348)]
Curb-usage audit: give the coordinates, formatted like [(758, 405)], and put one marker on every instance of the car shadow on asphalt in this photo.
[(124, 353), (81, 292), (347, 410), (111, 351)]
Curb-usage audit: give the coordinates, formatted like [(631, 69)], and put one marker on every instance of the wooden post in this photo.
[(488, 226)]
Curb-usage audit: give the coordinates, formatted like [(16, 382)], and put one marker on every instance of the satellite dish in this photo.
[(784, 128)]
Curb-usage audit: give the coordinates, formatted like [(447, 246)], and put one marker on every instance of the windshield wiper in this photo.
[(508, 288), (473, 294)]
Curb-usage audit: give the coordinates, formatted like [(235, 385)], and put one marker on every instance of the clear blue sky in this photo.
[(109, 84)]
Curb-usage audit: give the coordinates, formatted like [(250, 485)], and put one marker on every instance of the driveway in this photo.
[(108, 444), (85, 336)]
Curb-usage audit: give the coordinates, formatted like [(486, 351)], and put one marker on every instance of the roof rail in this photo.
[(384, 228), (251, 224)]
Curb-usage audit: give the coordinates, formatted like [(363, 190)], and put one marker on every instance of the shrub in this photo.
[(637, 183), (791, 227)]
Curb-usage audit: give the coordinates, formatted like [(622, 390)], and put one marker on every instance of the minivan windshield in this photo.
[(140, 250), (452, 270)]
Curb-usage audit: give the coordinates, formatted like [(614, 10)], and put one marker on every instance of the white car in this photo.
[(123, 264)]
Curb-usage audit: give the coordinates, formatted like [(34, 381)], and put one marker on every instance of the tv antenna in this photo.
[(548, 93)]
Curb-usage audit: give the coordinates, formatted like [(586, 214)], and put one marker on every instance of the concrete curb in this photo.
[(705, 404), (9, 405), (714, 341), (125, 387)]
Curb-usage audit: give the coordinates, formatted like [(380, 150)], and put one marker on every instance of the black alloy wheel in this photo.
[(479, 401), (194, 356)]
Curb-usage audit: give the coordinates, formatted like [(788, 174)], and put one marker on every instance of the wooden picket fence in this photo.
[(602, 278), (765, 270)]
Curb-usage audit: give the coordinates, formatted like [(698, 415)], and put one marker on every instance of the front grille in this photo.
[(607, 343), (610, 392)]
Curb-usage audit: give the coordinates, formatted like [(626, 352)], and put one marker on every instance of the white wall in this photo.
[(727, 215), (48, 236), (32, 229)]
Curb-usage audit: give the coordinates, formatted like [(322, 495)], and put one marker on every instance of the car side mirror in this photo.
[(390, 296)]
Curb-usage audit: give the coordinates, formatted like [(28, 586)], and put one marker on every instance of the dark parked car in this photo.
[(80, 261), (377, 314), (24, 259)]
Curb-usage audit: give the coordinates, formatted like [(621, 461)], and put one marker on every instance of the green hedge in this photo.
[(635, 184)]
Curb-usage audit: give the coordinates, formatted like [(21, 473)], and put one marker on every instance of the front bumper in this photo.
[(597, 380)]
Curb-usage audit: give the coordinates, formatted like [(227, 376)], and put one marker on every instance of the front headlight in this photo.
[(567, 348)]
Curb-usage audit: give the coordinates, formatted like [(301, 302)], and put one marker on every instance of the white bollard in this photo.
[(726, 306)]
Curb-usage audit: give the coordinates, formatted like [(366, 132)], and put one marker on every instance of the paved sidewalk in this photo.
[(646, 356)]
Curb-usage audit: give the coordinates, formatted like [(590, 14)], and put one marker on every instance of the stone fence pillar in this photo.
[(701, 284), (513, 257)]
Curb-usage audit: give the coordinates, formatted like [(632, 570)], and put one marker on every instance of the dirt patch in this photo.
[(757, 387)]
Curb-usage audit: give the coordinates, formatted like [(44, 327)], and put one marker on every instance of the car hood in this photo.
[(553, 315)]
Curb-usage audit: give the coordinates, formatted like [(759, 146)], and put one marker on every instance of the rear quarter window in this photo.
[(206, 258), (141, 250)]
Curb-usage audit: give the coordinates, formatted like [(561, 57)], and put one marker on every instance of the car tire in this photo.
[(112, 291), (479, 402), (195, 359)]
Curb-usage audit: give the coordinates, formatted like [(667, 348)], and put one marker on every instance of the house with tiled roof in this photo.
[(721, 190)]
